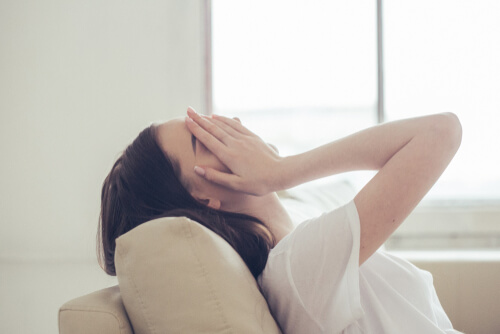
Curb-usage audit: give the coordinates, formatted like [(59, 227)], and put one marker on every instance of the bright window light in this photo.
[(298, 73), (444, 55)]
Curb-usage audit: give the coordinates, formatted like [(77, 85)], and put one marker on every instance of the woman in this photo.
[(326, 275)]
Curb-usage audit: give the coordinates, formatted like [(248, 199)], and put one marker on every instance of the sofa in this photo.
[(176, 276)]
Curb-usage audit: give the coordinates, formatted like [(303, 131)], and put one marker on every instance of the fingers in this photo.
[(230, 130), (274, 148), (207, 125), (234, 123), (211, 143)]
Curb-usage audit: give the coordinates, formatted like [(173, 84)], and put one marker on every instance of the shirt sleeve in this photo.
[(312, 280)]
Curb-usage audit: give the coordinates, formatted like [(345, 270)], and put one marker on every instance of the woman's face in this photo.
[(178, 143)]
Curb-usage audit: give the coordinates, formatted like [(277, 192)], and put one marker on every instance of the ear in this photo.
[(213, 203), (210, 202)]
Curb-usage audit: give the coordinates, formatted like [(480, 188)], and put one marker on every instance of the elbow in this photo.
[(450, 130)]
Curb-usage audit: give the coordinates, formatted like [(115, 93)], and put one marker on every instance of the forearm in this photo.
[(370, 149)]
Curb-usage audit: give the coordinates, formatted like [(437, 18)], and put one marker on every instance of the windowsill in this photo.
[(450, 255), (463, 226)]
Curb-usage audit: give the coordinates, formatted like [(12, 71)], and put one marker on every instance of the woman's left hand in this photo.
[(254, 165)]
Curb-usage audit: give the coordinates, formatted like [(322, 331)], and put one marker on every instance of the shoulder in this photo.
[(319, 258), (341, 224)]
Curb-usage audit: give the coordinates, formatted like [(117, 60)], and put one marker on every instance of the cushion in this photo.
[(176, 276), (98, 312)]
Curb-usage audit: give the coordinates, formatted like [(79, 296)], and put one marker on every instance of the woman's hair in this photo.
[(144, 184)]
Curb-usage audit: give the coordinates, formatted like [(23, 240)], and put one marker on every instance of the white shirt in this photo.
[(313, 284)]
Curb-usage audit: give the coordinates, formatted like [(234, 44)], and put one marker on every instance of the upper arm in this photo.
[(402, 182), (324, 252)]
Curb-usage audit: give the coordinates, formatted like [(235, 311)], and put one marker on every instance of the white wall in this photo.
[(78, 81)]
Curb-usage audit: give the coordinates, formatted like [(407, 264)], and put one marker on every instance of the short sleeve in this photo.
[(311, 280)]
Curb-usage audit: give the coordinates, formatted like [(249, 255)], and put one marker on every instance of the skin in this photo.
[(176, 141), (409, 156)]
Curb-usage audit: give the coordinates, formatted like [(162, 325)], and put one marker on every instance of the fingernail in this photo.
[(189, 120), (199, 170)]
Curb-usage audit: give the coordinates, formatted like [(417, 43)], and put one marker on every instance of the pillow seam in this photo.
[(132, 281), (78, 309), (195, 249)]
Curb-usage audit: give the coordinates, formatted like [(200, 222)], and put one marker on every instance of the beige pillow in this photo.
[(177, 276)]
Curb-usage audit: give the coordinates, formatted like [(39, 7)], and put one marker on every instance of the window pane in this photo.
[(443, 55), (298, 73)]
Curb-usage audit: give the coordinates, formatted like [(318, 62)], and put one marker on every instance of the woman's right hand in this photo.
[(254, 165)]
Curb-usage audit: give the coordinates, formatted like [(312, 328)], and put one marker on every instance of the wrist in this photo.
[(286, 173)]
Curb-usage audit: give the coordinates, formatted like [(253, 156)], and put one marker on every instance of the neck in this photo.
[(270, 211)]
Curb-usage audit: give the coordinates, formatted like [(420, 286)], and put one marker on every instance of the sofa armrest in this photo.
[(98, 312)]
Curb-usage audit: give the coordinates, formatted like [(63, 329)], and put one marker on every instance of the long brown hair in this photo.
[(144, 184)]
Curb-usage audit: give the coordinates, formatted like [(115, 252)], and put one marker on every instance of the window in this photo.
[(443, 55), (302, 73), (298, 73)]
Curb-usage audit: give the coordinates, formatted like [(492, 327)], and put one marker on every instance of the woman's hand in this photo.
[(254, 165)]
